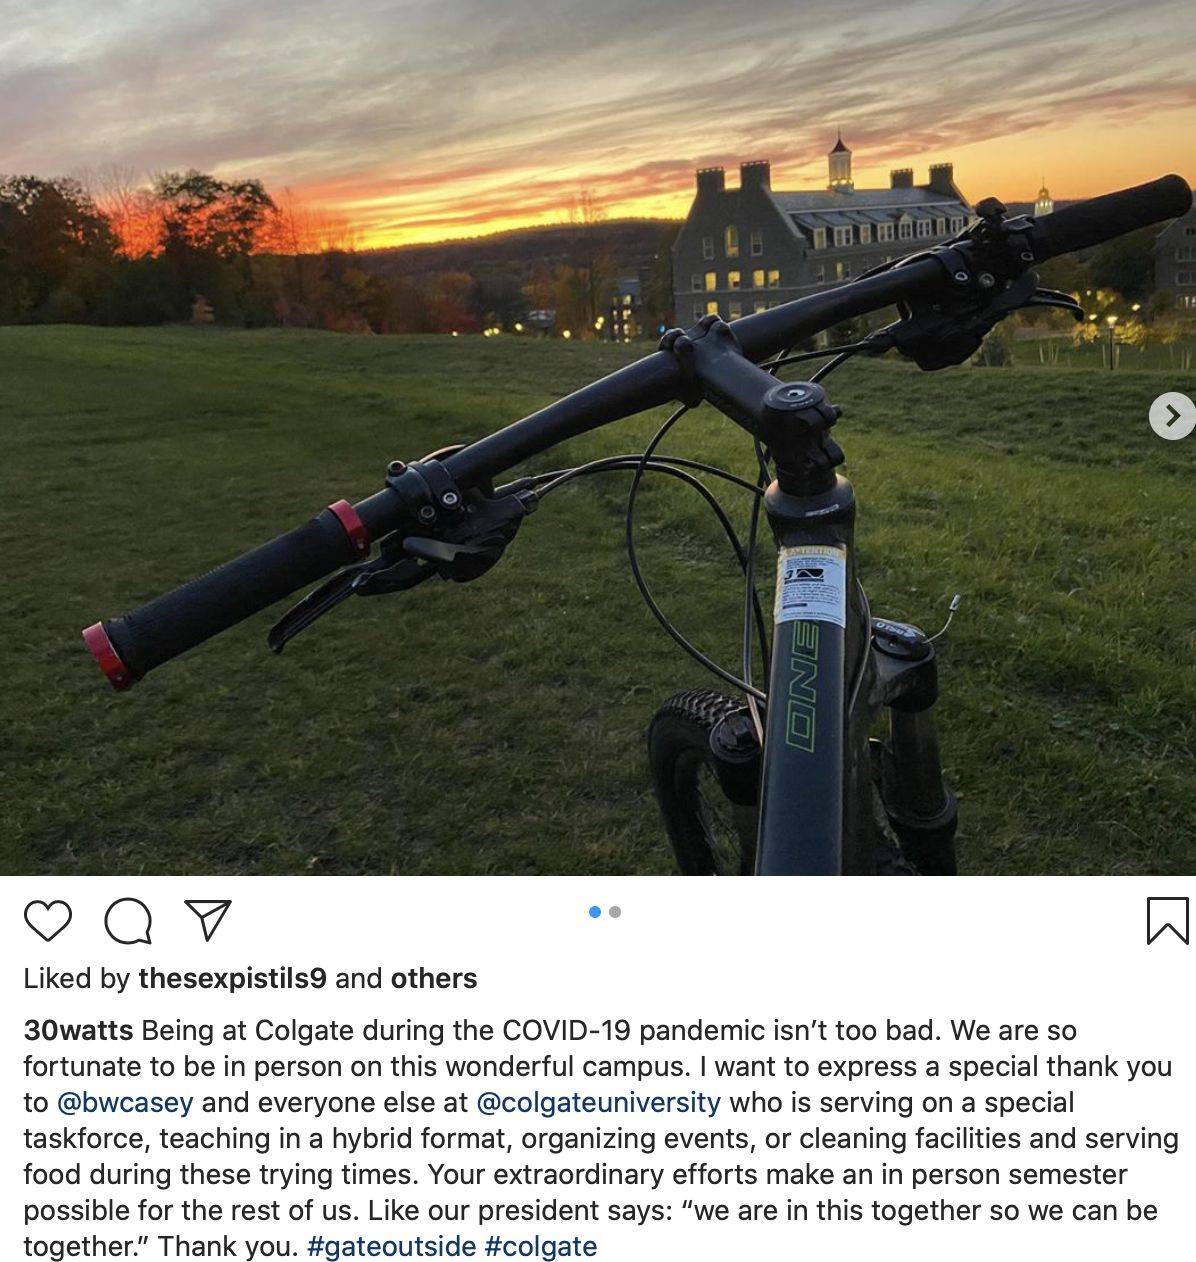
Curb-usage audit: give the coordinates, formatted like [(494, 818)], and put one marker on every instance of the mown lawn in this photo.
[(498, 727)]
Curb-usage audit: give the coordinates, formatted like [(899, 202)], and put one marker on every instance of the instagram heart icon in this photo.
[(48, 920)]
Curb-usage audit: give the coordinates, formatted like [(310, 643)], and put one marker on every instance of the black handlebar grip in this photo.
[(129, 646), (1102, 218)]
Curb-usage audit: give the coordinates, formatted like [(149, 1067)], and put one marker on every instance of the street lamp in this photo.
[(1111, 321)]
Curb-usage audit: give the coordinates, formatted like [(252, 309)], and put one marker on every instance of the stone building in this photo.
[(1175, 261), (748, 248)]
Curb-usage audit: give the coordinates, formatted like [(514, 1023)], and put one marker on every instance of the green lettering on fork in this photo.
[(803, 695)]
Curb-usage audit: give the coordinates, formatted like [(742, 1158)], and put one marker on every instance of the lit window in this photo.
[(732, 280), (757, 242), (820, 238), (696, 282), (820, 273), (758, 278), (842, 236), (905, 229), (843, 270), (760, 306), (711, 281), (708, 247), (865, 234), (774, 278), (731, 241), (734, 311), (712, 308), (925, 228), (884, 232), (627, 300)]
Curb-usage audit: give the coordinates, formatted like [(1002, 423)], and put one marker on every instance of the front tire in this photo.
[(709, 834)]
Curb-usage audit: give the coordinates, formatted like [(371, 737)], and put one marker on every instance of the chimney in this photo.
[(902, 178), (711, 180), (942, 178), (755, 175)]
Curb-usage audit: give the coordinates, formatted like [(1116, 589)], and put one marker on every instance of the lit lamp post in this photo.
[(1111, 321)]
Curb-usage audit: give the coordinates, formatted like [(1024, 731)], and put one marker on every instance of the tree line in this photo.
[(191, 247)]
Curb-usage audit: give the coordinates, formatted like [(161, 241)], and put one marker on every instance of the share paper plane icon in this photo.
[(210, 912)]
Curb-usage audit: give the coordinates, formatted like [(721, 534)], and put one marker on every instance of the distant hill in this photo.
[(632, 243)]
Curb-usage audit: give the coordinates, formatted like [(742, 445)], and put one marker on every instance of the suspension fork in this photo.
[(920, 806)]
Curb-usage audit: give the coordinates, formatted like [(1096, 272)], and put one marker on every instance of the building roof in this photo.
[(831, 208), (840, 147), (862, 199)]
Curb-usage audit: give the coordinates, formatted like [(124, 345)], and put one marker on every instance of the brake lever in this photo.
[(463, 544), (370, 578), (1056, 299)]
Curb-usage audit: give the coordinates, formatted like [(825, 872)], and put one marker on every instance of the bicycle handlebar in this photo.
[(170, 624), (1099, 219), (129, 646)]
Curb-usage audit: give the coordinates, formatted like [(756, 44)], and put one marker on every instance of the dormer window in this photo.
[(865, 234), (925, 228), (905, 230), (842, 236), (820, 238), (884, 232), (940, 227)]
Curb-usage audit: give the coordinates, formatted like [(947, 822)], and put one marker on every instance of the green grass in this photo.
[(499, 727)]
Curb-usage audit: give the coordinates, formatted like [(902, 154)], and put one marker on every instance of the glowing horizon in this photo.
[(416, 122)]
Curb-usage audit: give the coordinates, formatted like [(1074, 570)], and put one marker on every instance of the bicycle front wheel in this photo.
[(709, 834)]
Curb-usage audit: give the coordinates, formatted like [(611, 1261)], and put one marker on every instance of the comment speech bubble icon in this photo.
[(128, 921)]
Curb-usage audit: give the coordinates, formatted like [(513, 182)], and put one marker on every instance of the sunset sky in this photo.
[(420, 120)]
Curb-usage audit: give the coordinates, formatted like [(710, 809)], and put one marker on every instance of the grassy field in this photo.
[(498, 727)]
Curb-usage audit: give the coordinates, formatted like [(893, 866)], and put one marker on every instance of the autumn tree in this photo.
[(210, 228), (56, 251)]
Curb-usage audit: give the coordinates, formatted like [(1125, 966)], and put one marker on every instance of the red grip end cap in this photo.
[(346, 514), (107, 658)]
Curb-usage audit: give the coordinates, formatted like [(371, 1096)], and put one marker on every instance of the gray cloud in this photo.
[(391, 97)]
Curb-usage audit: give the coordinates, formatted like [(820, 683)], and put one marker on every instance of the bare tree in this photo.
[(591, 266), (128, 202)]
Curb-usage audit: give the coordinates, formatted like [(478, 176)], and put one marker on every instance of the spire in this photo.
[(838, 163)]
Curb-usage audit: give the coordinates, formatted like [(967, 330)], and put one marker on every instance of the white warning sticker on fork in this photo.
[(812, 584)]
